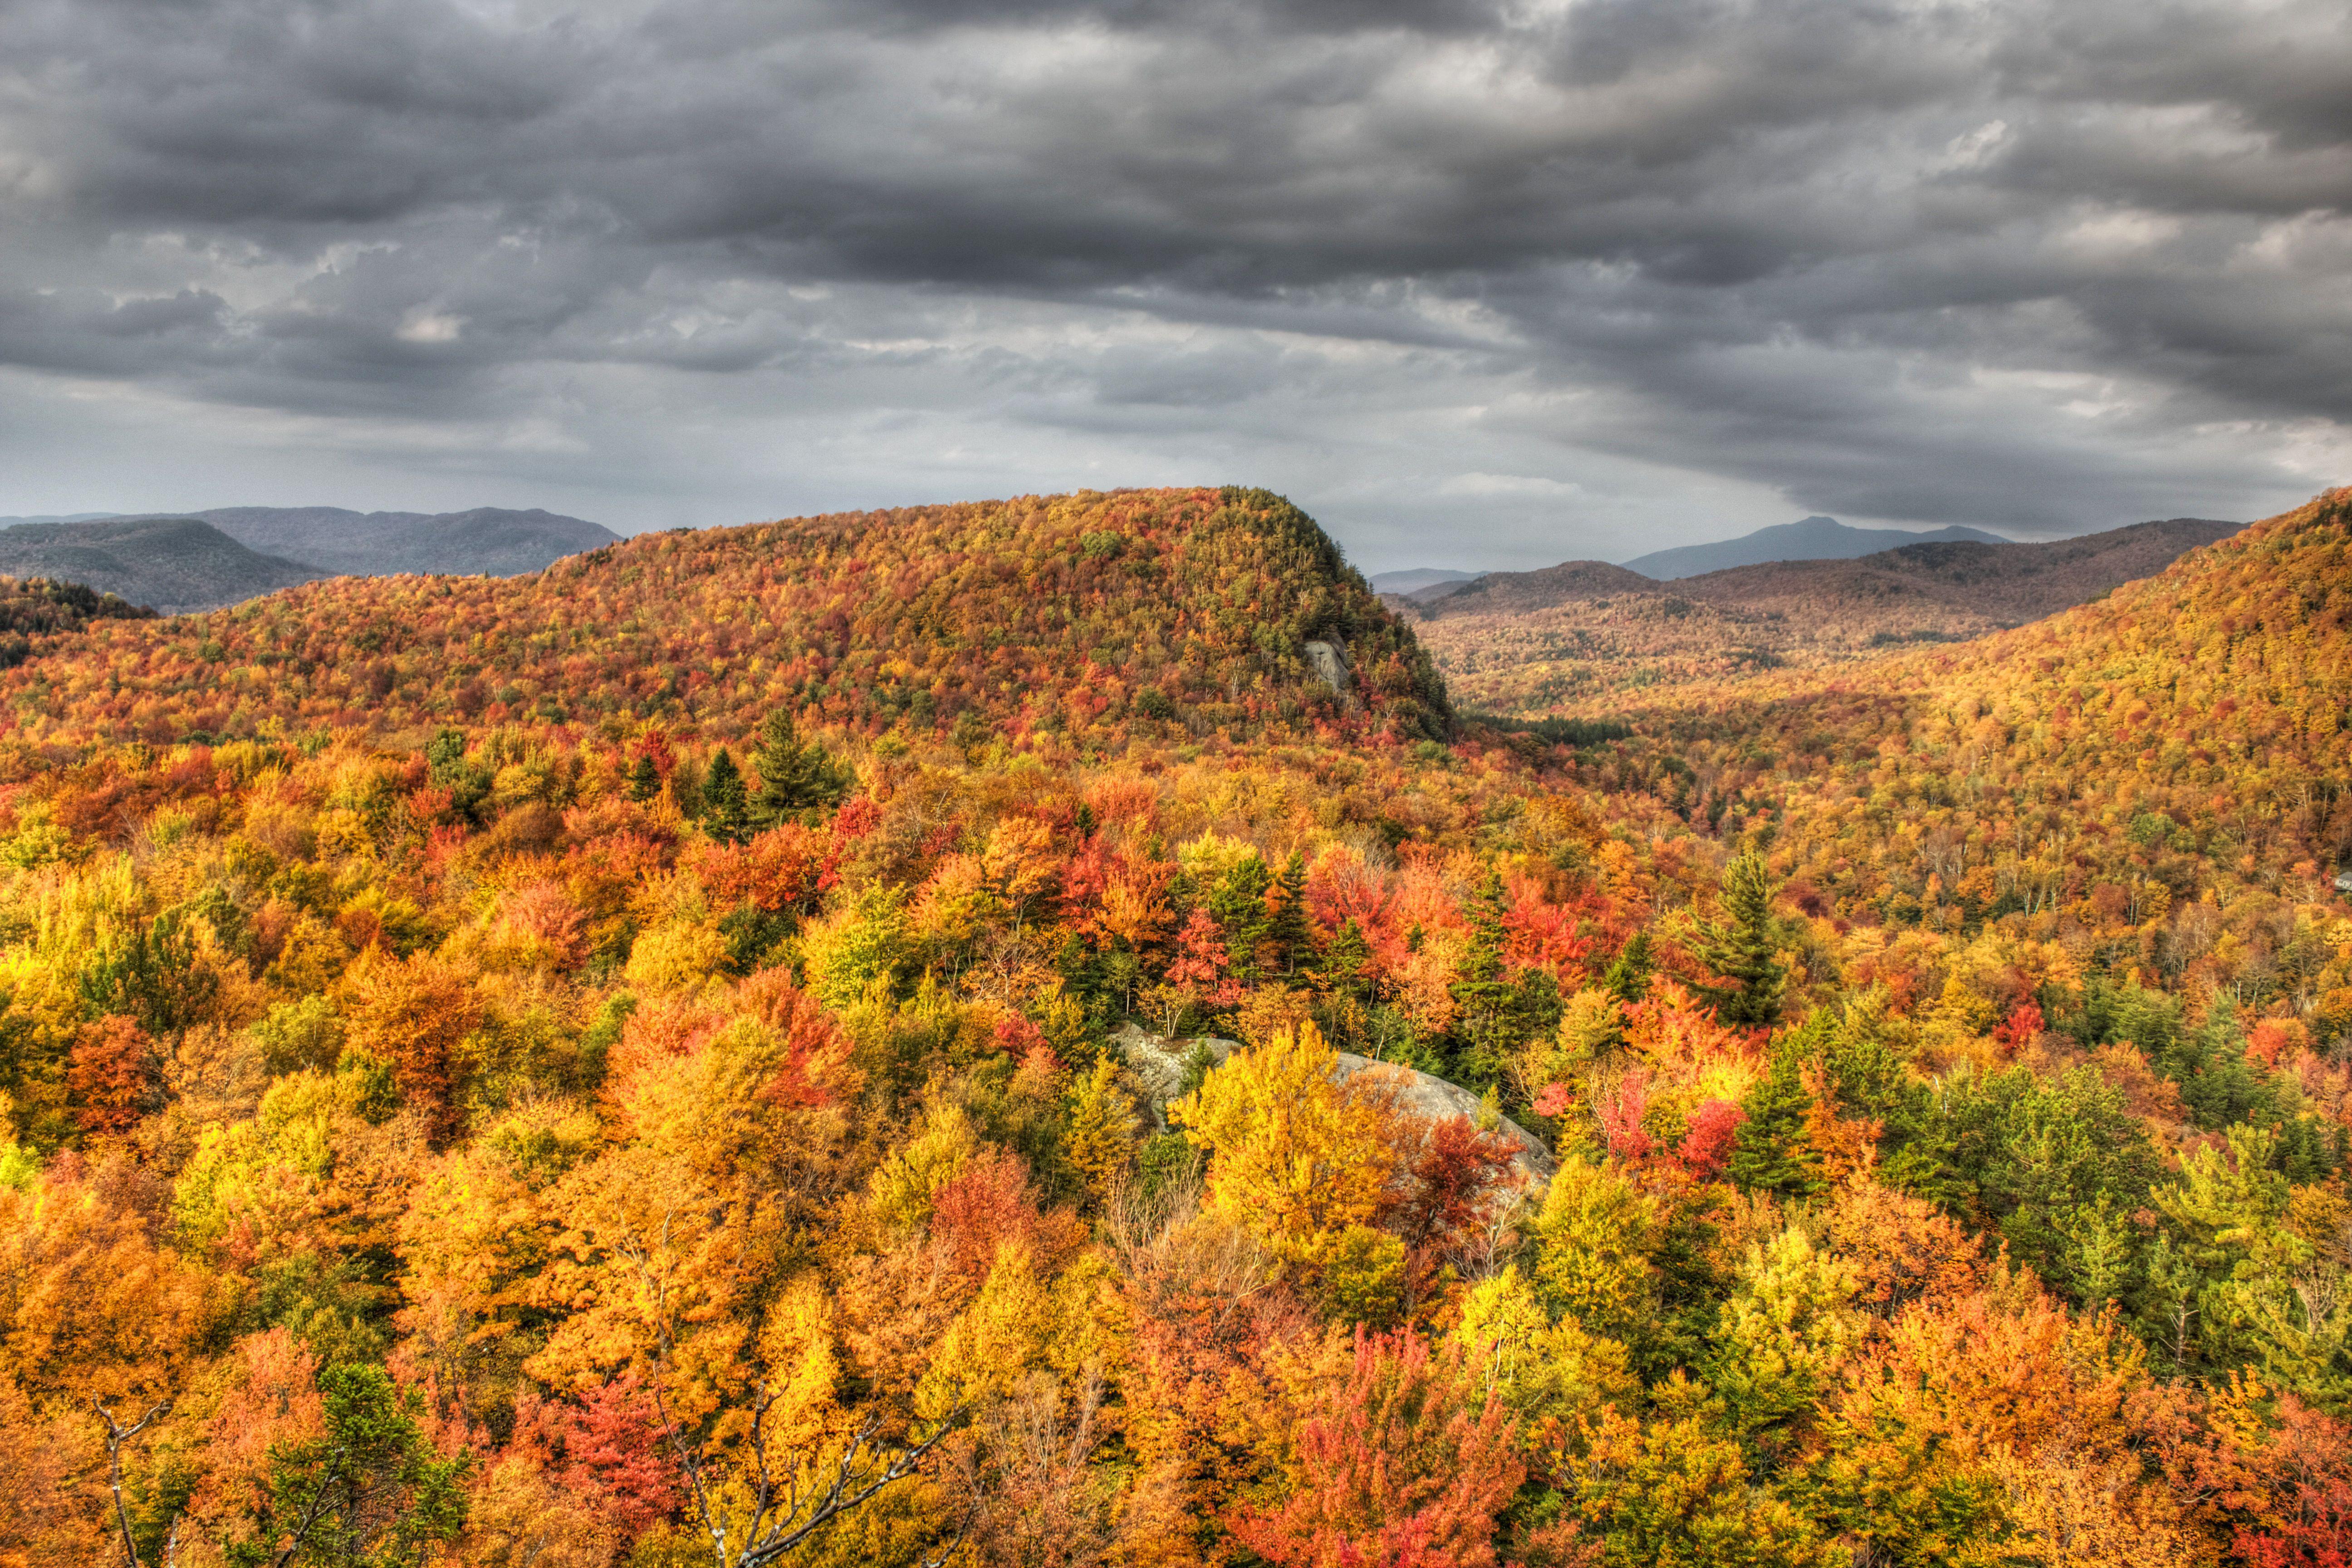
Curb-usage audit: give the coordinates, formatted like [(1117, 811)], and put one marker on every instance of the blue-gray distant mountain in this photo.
[(1414, 579), (1813, 538), (197, 561), (501, 542), (171, 562)]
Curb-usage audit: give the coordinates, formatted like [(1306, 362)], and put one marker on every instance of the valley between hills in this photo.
[(1583, 638), (1069, 1030)]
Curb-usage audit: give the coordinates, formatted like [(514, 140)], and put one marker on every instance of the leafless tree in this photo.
[(795, 1493), (118, 1436)]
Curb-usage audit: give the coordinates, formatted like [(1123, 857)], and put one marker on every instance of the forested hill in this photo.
[(2190, 730), (1095, 617)]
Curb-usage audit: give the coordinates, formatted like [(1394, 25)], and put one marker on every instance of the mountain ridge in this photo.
[(173, 563), (1815, 538), (501, 541), (1412, 580)]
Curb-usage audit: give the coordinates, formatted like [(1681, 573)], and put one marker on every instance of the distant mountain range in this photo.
[(195, 561), (1810, 539), (489, 538), (2006, 584), (172, 563)]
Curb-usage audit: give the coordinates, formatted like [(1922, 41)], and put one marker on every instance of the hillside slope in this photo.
[(35, 608), (173, 564), (1082, 616), (1582, 637), (2192, 730)]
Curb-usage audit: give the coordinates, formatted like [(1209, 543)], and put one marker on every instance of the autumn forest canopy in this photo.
[(1038, 1033)]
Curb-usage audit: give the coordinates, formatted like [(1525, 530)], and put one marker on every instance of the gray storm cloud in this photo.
[(1489, 284)]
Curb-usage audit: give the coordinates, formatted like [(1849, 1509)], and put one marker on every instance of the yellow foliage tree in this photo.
[(1294, 1153), (1100, 1144)]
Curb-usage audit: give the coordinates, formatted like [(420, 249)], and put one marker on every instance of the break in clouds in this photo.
[(1477, 284)]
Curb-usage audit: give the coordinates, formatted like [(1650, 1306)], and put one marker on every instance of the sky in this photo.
[(1479, 285)]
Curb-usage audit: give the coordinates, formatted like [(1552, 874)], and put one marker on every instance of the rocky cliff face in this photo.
[(1330, 661)]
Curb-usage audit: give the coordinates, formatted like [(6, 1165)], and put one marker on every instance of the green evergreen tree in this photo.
[(1289, 932), (1341, 966), (1771, 1153), (1479, 986), (726, 805), (1873, 1081), (1744, 948), (1237, 903), (1628, 977), (371, 1493), (798, 780), (644, 780), (1487, 1022)]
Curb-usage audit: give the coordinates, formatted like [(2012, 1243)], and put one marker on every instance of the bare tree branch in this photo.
[(117, 1435)]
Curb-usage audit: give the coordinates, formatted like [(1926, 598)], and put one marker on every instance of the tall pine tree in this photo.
[(1744, 948), (1628, 978), (1771, 1153), (644, 779), (798, 780), (1487, 1024), (1479, 988), (726, 805), (1344, 968), (1288, 931)]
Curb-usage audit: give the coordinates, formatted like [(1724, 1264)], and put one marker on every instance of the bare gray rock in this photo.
[(1330, 662)]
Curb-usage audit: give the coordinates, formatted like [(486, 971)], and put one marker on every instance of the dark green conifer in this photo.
[(726, 806), (1236, 902), (1744, 948), (1628, 977), (1479, 986), (1289, 932), (1343, 963), (1771, 1153), (644, 780), (798, 780)]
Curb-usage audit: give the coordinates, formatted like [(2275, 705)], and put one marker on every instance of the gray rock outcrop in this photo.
[(1330, 662)]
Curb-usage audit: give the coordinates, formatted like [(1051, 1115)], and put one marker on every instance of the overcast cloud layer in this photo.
[(1478, 284)]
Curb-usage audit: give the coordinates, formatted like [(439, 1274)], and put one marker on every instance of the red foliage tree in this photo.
[(2309, 1461), (1621, 1119), (614, 1441), (1449, 1181), (1201, 965), (1706, 1143), (111, 1074), (2021, 1028), (1405, 1466)]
